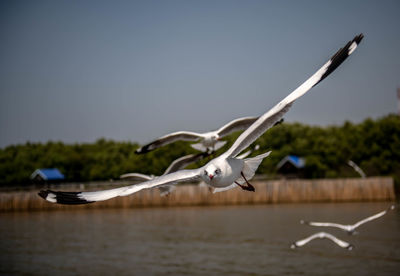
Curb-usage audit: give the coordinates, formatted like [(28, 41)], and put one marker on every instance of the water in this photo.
[(236, 240)]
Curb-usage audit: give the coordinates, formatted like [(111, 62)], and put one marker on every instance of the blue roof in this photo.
[(48, 174), (298, 162)]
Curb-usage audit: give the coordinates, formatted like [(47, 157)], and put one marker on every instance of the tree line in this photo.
[(373, 144)]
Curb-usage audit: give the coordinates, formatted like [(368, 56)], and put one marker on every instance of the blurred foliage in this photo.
[(373, 144)]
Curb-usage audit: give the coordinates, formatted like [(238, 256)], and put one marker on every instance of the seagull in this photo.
[(176, 165), (209, 141), (225, 169), (322, 235), (356, 168), (234, 185), (348, 228)]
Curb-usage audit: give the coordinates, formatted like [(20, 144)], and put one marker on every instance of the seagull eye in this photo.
[(205, 172), (217, 171)]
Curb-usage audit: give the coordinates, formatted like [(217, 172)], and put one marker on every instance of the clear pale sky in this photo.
[(76, 71)]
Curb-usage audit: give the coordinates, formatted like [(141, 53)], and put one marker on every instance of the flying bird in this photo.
[(176, 165), (234, 185), (322, 235), (348, 228), (356, 168), (225, 169), (209, 141)]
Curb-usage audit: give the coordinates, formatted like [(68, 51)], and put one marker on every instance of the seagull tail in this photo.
[(251, 165)]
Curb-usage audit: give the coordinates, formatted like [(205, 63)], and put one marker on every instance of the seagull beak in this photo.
[(210, 176)]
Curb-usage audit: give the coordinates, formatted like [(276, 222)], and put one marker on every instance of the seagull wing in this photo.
[(184, 161), (341, 243), (268, 119), (89, 197), (136, 176), (169, 138), (378, 215), (325, 224), (235, 125), (304, 241)]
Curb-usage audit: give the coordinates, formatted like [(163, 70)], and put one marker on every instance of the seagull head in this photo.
[(211, 172)]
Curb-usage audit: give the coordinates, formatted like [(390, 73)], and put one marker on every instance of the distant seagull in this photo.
[(225, 169), (209, 141), (356, 168), (322, 235), (348, 228), (176, 165)]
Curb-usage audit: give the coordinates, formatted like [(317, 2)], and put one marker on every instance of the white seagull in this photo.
[(356, 168), (234, 185), (176, 165), (348, 228), (225, 169), (322, 235), (209, 141)]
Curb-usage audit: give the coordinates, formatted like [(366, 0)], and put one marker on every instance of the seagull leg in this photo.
[(249, 187)]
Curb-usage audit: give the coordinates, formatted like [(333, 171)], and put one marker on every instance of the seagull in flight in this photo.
[(176, 165), (322, 235), (209, 141), (356, 168), (348, 228), (225, 169)]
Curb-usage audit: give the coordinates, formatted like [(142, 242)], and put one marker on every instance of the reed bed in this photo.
[(271, 191)]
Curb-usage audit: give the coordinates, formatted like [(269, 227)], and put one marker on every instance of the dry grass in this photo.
[(274, 191)]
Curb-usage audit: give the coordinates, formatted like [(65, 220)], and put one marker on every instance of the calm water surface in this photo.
[(236, 240)]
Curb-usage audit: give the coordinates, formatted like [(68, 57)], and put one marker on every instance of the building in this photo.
[(47, 175), (291, 166)]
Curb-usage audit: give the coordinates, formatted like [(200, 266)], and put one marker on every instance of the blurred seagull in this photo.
[(322, 235), (356, 168), (348, 228), (209, 141), (176, 165), (225, 169)]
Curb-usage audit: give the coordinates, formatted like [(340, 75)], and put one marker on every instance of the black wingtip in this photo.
[(341, 56), (143, 149), (43, 194), (358, 38), (69, 198)]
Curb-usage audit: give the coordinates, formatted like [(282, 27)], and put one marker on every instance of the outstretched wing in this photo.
[(324, 224), (136, 176), (184, 161), (235, 125), (268, 119), (168, 139), (372, 217), (89, 197), (304, 241)]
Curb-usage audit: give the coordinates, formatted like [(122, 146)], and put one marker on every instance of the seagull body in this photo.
[(322, 235), (208, 140), (176, 165), (227, 168), (348, 228)]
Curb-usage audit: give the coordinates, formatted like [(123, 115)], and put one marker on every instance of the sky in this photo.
[(77, 71)]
